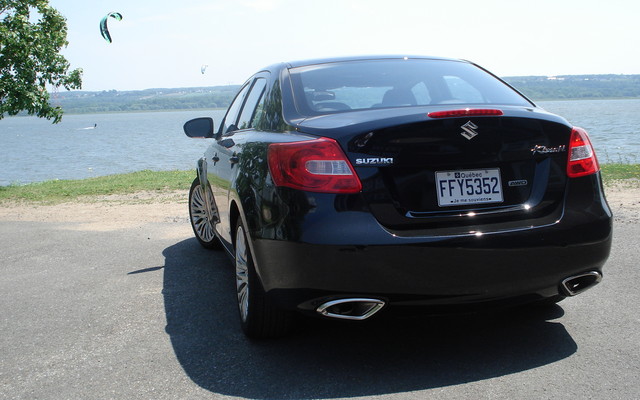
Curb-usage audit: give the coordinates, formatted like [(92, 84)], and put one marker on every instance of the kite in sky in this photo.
[(104, 30)]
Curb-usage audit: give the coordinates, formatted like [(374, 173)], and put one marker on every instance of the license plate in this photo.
[(464, 187)]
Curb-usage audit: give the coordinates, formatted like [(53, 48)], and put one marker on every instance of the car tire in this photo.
[(259, 317), (202, 217)]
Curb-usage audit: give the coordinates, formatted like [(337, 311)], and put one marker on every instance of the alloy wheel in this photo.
[(201, 215), (242, 273)]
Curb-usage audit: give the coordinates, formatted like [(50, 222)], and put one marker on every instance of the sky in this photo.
[(164, 44)]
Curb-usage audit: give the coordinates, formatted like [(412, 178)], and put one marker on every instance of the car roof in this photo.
[(302, 63), (276, 68)]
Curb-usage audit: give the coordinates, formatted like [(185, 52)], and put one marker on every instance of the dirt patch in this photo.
[(110, 213), (624, 199), (113, 212)]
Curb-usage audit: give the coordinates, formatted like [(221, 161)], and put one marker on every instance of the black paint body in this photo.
[(392, 240)]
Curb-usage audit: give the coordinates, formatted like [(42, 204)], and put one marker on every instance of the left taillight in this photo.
[(582, 158), (317, 165)]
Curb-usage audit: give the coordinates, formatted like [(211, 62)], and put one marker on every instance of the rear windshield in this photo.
[(358, 85)]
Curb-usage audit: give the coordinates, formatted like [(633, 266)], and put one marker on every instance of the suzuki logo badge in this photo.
[(469, 131)]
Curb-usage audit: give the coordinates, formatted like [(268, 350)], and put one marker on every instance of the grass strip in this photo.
[(58, 191), (612, 172)]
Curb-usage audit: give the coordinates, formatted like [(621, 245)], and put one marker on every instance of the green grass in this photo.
[(611, 172), (58, 191)]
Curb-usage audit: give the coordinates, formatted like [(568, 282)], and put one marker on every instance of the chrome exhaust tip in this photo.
[(577, 284), (356, 309)]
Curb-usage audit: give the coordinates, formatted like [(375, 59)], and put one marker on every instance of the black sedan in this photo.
[(343, 187)]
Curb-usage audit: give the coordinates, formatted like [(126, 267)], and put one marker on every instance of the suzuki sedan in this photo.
[(347, 187)]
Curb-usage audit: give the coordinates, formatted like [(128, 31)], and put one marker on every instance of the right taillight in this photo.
[(582, 158), (317, 165)]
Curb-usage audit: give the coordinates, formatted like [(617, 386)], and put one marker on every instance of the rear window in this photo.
[(360, 85)]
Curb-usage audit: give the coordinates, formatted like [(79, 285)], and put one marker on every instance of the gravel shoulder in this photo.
[(624, 199), (103, 213)]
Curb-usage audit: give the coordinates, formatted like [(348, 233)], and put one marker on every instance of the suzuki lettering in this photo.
[(376, 160)]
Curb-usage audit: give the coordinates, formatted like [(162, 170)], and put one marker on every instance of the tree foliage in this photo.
[(30, 58)]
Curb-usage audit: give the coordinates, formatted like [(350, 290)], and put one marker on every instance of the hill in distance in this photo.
[(561, 87), (81, 102)]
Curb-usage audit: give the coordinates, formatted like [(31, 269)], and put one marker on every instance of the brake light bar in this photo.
[(317, 165), (466, 112), (582, 158)]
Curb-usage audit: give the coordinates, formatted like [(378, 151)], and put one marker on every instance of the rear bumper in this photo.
[(350, 254), (458, 271)]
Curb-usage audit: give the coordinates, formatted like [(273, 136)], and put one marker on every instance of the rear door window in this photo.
[(230, 122), (249, 109)]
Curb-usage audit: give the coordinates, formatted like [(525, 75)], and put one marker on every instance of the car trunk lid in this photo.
[(464, 171)]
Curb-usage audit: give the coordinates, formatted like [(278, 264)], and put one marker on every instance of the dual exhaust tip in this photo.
[(358, 309)]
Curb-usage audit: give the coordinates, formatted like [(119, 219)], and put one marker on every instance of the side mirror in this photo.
[(199, 128)]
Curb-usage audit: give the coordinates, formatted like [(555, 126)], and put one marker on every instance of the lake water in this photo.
[(613, 125), (33, 150)]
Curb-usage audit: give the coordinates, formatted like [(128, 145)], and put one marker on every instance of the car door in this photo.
[(224, 157), (217, 156)]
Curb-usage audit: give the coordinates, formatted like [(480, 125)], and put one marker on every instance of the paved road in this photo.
[(145, 313)]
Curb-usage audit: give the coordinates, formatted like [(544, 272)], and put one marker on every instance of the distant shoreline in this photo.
[(224, 108), (67, 113), (147, 111), (536, 101), (587, 99), (537, 88)]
